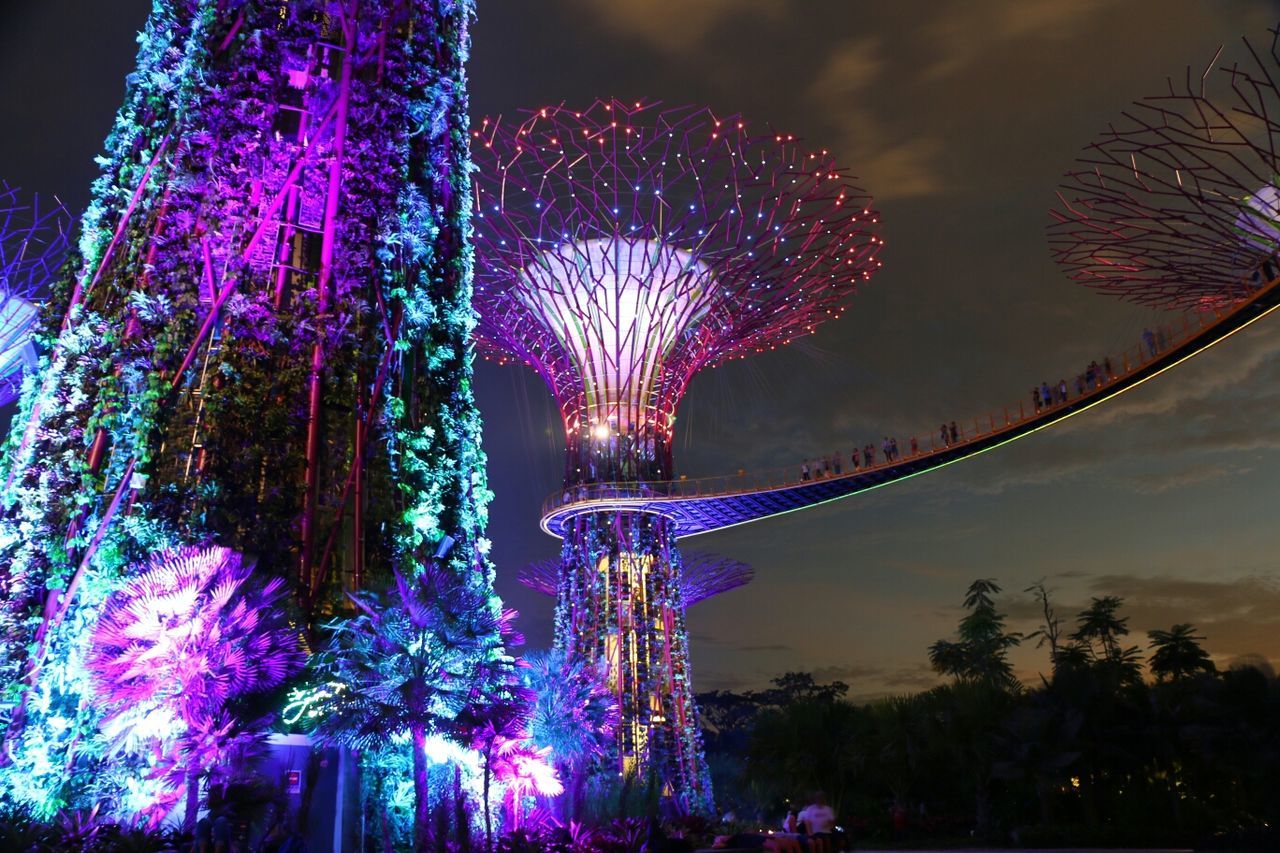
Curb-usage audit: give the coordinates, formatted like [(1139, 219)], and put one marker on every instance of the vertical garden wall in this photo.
[(262, 346)]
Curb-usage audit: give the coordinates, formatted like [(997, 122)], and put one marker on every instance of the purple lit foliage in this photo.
[(184, 639), (523, 769), (574, 715)]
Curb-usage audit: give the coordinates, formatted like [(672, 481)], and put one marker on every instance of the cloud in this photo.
[(894, 164), (773, 648), (847, 673), (1238, 615), (673, 25), (959, 34), (1155, 483)]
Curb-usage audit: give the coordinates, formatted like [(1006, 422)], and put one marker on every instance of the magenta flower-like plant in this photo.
[(524, 769), (187, 636)]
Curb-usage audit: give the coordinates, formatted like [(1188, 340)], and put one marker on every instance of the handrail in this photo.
[(1164, 339)]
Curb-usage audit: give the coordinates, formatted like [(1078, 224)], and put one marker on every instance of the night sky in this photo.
[(959, 117)]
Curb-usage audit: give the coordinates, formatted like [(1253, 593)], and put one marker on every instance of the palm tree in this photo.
[(981, 653), (573, 713), (966, 717), (488, 725), (409, 662), (1177, 654), (1037, 745), (523, 769), (897, 725), (183, 639), (1099, 629)]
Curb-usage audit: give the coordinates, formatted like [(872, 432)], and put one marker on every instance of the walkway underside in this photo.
[(704, 505)]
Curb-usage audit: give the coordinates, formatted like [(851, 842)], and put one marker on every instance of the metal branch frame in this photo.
[(624, 247), (34, 244), (702, 576), (1177, 205)]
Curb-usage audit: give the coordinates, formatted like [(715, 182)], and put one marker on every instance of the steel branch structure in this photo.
[(34, 244), (621, 249), (702, 576), (1177, 205)]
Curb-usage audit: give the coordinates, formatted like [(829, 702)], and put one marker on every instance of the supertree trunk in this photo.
[(620, 600)]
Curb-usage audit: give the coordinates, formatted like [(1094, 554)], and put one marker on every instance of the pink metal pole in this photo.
[(329, 239)]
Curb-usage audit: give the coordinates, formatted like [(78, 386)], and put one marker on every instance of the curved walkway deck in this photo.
[(703, 505)]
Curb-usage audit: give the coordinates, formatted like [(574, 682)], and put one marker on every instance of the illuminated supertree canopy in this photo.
[(34, 244), (621, 249), (624, 247), (1177, 204)]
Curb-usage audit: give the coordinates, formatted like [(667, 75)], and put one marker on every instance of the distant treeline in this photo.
[(1116, 746)]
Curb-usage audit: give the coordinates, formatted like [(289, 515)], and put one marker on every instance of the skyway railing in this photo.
[(1166, 342)]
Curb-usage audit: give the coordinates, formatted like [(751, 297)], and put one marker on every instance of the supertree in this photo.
[(263, 344), (1177, 205), (34, 244), (622, 248)]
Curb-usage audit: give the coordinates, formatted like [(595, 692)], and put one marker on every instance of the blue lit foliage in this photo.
[(414, 664)]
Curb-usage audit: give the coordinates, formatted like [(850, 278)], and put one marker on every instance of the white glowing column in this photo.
[(618, 308), (1259, 221), (17, 352)]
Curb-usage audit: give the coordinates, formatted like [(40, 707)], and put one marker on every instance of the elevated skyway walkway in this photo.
[(706, 504)]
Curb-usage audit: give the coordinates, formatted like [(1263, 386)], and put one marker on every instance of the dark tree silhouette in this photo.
[(1176, 654)]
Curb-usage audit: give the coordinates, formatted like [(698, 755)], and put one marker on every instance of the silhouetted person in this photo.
[(955, 433), (1035, 398), (1062, 390), (804, 471), (1149, 339), (818, 820)]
